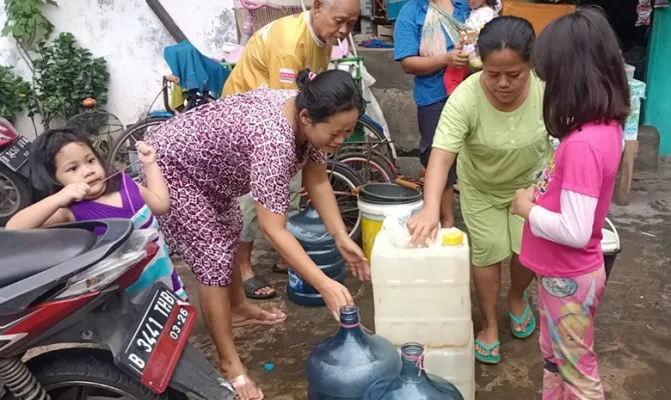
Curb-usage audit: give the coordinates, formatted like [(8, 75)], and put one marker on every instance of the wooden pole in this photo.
[(167, 20), (626, 173)]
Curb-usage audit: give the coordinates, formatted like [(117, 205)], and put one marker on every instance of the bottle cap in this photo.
[(453, 238)]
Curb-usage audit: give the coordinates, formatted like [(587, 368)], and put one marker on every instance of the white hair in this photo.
[(332, 3)]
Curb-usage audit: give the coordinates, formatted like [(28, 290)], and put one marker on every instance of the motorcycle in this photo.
[(15, 189), (62, 296)]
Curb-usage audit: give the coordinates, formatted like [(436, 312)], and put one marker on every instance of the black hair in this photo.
[(328, 93), (507, 32), (492, 3), (578, 56), (42, 160)]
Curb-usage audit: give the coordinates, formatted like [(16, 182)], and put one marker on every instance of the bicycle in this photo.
[(368, 155), (368, 134), (123, 154)]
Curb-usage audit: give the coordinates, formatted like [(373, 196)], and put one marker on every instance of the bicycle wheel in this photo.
[(344, 181), (123, 155), (368, 134), (370, 165)]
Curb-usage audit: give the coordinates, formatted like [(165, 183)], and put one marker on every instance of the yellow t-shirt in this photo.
[(276, 53)]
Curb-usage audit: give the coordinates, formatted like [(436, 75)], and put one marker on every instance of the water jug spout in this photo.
[(412, 355), (349, 316), (350, 325)]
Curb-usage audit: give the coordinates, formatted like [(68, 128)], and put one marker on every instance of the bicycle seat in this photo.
[(27, 253)]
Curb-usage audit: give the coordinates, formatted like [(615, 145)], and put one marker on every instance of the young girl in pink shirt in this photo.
[(586, 103)]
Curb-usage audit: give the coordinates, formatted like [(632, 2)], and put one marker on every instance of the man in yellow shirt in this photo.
[(272, 58), (277, 52)]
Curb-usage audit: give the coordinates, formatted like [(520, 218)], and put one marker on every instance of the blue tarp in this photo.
[(194, 69)]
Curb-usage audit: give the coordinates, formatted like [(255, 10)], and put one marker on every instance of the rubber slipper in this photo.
[(259, 321), (487, 358), (242, 382), (278, 270), (531, 326), (253, 284)]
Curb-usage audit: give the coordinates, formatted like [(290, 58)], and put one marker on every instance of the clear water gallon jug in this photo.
[(413, 382), (308, 229), (344, 366)]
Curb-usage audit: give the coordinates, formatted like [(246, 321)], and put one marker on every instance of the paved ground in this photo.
[(633, 329)]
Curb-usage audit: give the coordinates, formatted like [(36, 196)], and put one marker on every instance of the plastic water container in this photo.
[(610, 246), (413, 382), (376, 201), (311, 233), (344, 366), (423, 295)]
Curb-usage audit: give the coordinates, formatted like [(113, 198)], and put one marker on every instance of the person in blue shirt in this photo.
[(424, 36)]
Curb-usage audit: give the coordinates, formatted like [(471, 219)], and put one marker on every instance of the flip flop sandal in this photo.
[(253, 284), (531, 326), (278, 270), (258, 321), (488, 358)]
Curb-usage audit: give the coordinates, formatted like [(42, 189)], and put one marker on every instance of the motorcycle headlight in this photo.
[(112, 267)]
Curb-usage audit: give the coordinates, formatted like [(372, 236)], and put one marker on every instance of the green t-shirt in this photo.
[(499, 152)]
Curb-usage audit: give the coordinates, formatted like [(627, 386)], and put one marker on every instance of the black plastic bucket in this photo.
[(388, 193), (610, 245)]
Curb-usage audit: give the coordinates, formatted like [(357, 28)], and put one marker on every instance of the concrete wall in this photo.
[(131, 38), (393, 90), (657, 105)]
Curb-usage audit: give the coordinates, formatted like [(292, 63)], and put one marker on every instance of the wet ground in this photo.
[(633, 332)]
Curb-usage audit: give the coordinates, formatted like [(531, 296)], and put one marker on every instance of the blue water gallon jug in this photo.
[(311, 233), (344, 366), (413, 382)]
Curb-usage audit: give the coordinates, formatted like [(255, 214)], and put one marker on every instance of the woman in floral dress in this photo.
[(255, 142)]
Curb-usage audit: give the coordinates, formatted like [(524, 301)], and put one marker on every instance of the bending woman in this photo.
[(255, 142), (494, 121)]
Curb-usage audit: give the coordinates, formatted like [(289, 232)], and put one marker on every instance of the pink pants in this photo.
[(567, 307)]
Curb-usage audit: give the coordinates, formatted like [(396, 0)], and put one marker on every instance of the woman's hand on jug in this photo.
[(423, 227), (335, 296), (353, 256)]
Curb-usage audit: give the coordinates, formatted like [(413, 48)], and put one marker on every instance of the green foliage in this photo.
[(66, 74), (26, 23), (15, 93)]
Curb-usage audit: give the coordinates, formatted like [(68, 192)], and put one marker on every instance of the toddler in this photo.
[(482, 11), (65, 165)]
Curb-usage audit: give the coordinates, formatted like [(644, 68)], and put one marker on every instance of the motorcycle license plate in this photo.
[(16, 154), (157, 339)]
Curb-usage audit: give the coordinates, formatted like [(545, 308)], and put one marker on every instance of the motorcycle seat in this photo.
[(27, 253)]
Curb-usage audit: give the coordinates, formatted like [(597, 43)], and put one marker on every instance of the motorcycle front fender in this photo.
[(108, 321)]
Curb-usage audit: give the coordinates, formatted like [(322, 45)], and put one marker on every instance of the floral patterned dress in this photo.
[(210, 157)]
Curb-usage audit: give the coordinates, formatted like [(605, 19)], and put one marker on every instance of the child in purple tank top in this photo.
[(65, 165)]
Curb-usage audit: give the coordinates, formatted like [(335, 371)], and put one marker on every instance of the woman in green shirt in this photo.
[(494, 121)]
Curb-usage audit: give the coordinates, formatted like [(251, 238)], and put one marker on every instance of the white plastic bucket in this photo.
[(376, 201)]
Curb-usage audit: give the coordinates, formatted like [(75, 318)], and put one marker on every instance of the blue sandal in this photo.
[(487, 358), (531, 326)]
